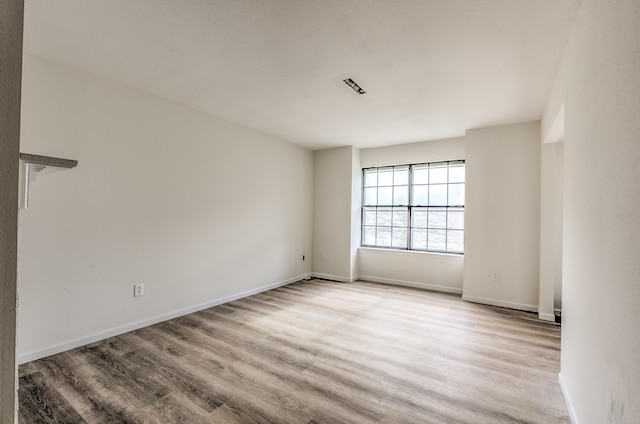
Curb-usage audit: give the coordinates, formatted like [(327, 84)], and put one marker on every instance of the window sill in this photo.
[(452, 256)]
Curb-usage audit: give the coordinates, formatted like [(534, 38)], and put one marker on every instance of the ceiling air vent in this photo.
[(351, 83)]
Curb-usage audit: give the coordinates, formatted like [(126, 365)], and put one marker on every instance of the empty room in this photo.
[(350, 211)]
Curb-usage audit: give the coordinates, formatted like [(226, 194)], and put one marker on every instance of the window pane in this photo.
[(434, 221), (369, 236), (400, 217), (419, 239), (384, 217), (399, 237), (419, 218), (369, 216), (438, 195), (383, 236), (437, 219), (401, 176), (385, 195), (420, 174), (456, 194), (455, 241), (371, 196), (436, 240), (456, 174), (385, 176), (371, 178), (438, 174), (420, 195), (401, 195), (455, 219)]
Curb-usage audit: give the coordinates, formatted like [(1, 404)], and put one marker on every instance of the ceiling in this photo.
[(431, 68)]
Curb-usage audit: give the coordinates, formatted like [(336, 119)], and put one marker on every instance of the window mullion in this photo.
[(446, 215), (393, 200), (410, 209), (428, 208), (375, 240)]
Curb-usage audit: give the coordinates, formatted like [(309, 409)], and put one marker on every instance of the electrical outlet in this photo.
[(138, 290), (495, 276), (323, 257), (303, 257)]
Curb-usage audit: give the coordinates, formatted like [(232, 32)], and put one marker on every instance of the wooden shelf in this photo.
[(48, 161)]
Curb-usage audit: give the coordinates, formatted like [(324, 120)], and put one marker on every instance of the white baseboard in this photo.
[(547, 317), (334, 277), (501, 303), (71, 344), (414, 284), (567, 400)]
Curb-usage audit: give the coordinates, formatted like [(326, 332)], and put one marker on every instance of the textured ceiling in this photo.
[(431, 68)]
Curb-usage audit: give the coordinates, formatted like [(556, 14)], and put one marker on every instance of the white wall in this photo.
[(426, 151), (335, 195), (551, 229), (600, 87), (11, 16), (432, 271), (558, 226), (197, 209), (356, 218), (417, 269), (502, 215)]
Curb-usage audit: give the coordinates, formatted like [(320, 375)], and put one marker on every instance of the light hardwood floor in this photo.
[(311, 352)]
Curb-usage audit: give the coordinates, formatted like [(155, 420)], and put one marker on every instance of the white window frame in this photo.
[(409, 206)]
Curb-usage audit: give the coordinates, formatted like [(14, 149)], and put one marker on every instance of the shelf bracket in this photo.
[(35, 165)]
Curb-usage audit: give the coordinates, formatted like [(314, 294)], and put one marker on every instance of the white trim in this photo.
[(81, 341), (555, 134), (440, 255), (546, 317), (334, 277), (567, 399), (501, 303), (433, 287)]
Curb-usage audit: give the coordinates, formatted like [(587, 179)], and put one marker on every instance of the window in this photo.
[(414, 207)]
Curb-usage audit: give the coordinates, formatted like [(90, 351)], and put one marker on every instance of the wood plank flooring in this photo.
[(314, 352)]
